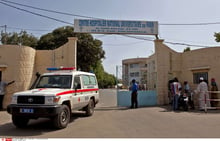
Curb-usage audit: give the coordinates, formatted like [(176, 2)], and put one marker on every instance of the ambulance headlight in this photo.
[(52, 99), (14, 100)]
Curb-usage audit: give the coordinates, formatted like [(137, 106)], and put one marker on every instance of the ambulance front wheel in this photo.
[(62, 119), (20, 121), (90, 108)]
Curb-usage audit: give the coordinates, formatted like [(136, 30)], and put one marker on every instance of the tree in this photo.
[(186, 49), (217, 36), (56, 38), (105, 80), (22, 38), (89, 50)]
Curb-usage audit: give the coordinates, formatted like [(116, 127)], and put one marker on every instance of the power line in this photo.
[(83, 16), (131, 43), (189, 24), (173, 43), (185, 44), (36, 13), (27, 29), (53, 11)]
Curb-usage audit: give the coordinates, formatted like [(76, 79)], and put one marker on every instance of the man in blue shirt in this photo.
[(134, 89)]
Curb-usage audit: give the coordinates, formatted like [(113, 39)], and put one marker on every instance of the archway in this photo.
[(122, 27)]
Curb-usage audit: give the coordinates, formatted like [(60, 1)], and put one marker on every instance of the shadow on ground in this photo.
[(168, 108), (34, 128)]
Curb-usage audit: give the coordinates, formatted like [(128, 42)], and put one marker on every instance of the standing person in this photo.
[(134, 89), (188, 92), (170, 94), (202, 90), (2, 91), (214, 95), (176, 89)]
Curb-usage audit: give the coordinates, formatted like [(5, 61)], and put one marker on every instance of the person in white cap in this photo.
[(202, 90)]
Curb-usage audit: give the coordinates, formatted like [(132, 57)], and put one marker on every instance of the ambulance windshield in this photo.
[(55, 81)]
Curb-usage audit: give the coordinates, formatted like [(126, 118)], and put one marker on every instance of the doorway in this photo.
[(0, 75)]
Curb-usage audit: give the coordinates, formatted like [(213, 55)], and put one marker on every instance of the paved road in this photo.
[(110, 121)]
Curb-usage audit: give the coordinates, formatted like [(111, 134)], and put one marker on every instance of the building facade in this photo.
[(135, 68), (189, 66), (21, 63)]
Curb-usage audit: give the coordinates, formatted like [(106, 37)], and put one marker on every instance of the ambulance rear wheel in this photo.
[(90, 108), (62, 119)]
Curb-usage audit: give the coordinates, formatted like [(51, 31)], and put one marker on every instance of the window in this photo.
[(85, 79), (134, 74), (134, 65), (55, 81), (89, 80), (197, 75), (92, 80), (77, 82)]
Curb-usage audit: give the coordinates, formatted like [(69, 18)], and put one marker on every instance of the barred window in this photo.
[(197, 75)]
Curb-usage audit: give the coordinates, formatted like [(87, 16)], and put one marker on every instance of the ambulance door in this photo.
[(86, 90), (77, 85)]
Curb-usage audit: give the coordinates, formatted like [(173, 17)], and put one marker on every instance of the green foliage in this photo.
[(89, 52), (105, 80), (22, 38), (55, 39), (186, 49), (217, 37)]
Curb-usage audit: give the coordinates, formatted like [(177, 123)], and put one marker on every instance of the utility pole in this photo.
[(5, 26), (117, 77), (117, 90)]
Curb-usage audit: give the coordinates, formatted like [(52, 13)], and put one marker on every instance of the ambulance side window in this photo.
[(89, 81), (92, 80), (77, 82), (85, 80)]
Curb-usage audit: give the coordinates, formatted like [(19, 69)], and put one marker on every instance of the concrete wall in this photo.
[(168, 64), (19, 61), (63, 56), (206, 58)]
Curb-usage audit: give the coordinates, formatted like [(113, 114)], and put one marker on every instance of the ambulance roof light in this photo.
[(61, 68)]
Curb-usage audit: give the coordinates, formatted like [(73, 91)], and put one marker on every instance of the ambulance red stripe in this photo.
[(74, 91)]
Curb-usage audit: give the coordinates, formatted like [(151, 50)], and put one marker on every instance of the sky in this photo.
[(191, 22)]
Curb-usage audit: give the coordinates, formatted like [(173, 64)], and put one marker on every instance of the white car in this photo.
[(56, 95)]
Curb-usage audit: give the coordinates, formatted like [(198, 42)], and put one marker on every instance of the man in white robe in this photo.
[(202, 90)]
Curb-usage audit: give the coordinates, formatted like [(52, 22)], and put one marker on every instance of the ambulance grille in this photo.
[(31, 99)]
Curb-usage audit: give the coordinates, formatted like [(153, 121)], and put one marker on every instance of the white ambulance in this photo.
[(56, 95)]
